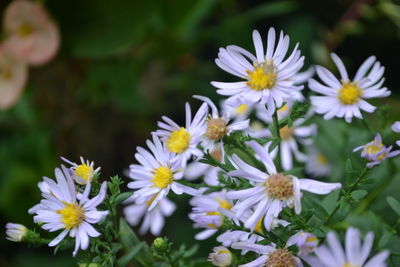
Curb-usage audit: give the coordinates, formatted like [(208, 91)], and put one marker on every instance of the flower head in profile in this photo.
[(345, 98), (82, 173), (218, 126), (267, 76), (31, 36), (238, 110), (153, 220), (16, 232), (396, 128), (209, 211), (180, 140), (354, 254), (61, 210), (375, 152), (305, 242), (13, 76), (156, 174), (220, 257), (271, 190), (317, 164)]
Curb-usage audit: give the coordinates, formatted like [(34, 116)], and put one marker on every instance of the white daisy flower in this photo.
[(218, 127), (16, 232), (220, 257), (306, 242), (396, 128), (209, 211), (156, 174), (355, 253), (345, 98), (317, 164), (268, 77), (210, 173), (60, 209), (152, 220), (375, 152), (270, 255), (183, 141), (82, 173), (272, 191), (290, 137)]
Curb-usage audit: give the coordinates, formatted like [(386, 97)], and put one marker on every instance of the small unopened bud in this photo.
[(161, 245), (220, 256), (16, 232)]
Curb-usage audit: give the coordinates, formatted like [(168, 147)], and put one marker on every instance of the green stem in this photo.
[(347, 192), (278, 135)]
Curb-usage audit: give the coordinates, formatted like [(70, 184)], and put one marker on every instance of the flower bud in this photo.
[(161, 245), (16, 232), (220, 256)]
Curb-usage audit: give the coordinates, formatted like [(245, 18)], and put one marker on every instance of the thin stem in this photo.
[(278, 135)]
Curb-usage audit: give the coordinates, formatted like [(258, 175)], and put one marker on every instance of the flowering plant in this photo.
[(257, 177)]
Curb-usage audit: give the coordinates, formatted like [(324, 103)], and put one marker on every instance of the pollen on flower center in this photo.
[(373, 149), (349, 94), (262, 77), (321, 159), (216, 129), (223, 204), (178, 141), (24, 30), (163, 176), (286, 132), (71, 215), (279, 186), (280, 258), (84, 171)]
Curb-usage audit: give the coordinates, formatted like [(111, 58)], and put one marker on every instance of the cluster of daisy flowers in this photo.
[(31, 39), (245, 150)]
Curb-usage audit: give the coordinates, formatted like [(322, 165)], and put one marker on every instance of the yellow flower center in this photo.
[(240, 110), (24, 30), (262, 77), (216, 129), (84, 171), (279, 186), (258, 227), (283, 108), (374, 149), (150, 201), (286, 132), (280, 258), (178, 141), (321, 159), (223, 204), (71, 215), (163, 176), (349, 94)]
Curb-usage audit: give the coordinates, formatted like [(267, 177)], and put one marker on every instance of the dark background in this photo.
[(123, 64)]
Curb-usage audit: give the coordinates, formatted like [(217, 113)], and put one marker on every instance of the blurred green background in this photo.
[(125, 63)]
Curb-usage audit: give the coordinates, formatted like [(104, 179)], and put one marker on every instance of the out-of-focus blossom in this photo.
[(16, 232), (32, 36), (396, 128), (306, 242), (13, 76), (345, 98), (317, 164), (375, 152), (220, 257)]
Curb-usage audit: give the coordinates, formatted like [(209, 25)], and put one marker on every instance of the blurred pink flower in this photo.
[(31, 36), (13, 76)]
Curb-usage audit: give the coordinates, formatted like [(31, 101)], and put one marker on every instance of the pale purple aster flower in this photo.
[(396, 128), (16, 232), (375, 152), (272, 191), (345, 98), (267, 76), (60, 209), (181, 140), (156, 174), (220, 257), (354, 254), (82, 173)]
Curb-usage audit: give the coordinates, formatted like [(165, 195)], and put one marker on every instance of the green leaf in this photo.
[(394, 204), (359, 194), (122, 197), (330, 201), (385, 238), (124, 260)]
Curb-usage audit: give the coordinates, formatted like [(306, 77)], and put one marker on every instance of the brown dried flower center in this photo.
[(286, 132), (216, 129), (279, 186), (280, 258)]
